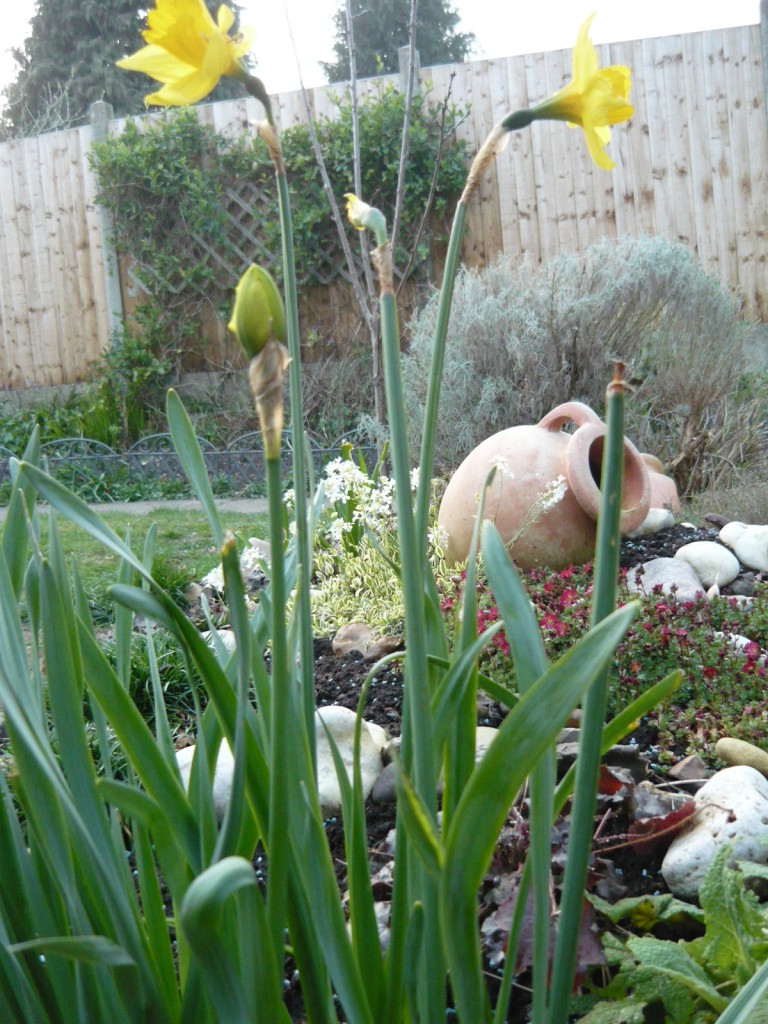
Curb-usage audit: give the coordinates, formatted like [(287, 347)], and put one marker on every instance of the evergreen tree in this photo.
[(68, 62), (381, 27)]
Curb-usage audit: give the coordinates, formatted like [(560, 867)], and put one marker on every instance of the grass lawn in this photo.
[(184, 550)]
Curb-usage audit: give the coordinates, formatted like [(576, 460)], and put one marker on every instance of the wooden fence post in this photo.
[(101, 113), (403, 57), (764, 40)]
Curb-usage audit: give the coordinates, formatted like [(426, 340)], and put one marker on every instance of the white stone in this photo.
[(667, 573), (484, 736), (340, 723), (226, 636), (222, 776), (748, 543), (385, 788), (731, 808), (712, 563), (739, 644), (657, 519)]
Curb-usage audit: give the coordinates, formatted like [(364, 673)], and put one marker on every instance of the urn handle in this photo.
[(569, 412)]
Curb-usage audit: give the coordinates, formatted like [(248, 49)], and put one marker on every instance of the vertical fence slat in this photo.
[(519, 227), (720, 156), (746, 122), (754, 284), (58, 284), (27, 276)]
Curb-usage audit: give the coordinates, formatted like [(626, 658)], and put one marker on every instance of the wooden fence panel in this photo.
[(53, 316), (692, 166)]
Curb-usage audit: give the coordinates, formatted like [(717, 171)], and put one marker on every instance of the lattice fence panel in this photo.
[(246, 205)]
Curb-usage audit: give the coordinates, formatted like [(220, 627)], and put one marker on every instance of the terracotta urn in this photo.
[(663, 487), (545, 495)]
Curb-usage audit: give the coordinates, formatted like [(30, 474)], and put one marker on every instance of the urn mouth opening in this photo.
[(632, 488), (585, 460)]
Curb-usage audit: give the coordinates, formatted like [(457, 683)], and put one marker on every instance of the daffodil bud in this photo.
[(258, 314), (364, 217)]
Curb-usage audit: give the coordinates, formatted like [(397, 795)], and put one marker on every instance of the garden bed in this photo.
[(625, 865)]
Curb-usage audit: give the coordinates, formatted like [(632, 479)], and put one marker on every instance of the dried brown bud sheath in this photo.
[(265, 377)]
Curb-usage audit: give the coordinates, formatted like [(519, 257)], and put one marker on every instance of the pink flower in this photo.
[(552, 624)]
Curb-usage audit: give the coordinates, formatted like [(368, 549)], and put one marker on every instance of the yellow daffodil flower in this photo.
[(188, 51), (594, 100)]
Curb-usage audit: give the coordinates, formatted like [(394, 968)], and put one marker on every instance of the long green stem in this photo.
[(417, 751), (593, 712), (280, 716), (300, 482), (427, 455), (416, 715), (300, 479)]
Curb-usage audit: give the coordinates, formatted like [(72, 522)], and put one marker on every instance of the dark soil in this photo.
[(338, 680), (664, 544)]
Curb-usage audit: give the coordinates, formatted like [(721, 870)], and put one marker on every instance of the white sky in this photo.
[(502, 28)]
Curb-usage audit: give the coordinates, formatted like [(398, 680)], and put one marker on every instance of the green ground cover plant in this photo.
[(691, 981), (723, 687)]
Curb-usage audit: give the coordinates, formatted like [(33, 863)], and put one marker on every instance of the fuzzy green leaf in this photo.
[(629, 1011), (674, 961), (643, 912), (734, 920)]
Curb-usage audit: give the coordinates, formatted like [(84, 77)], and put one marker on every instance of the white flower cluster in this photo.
[(357, 548), (371, 501), (553, 493), (500, 464), (438, 537)]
